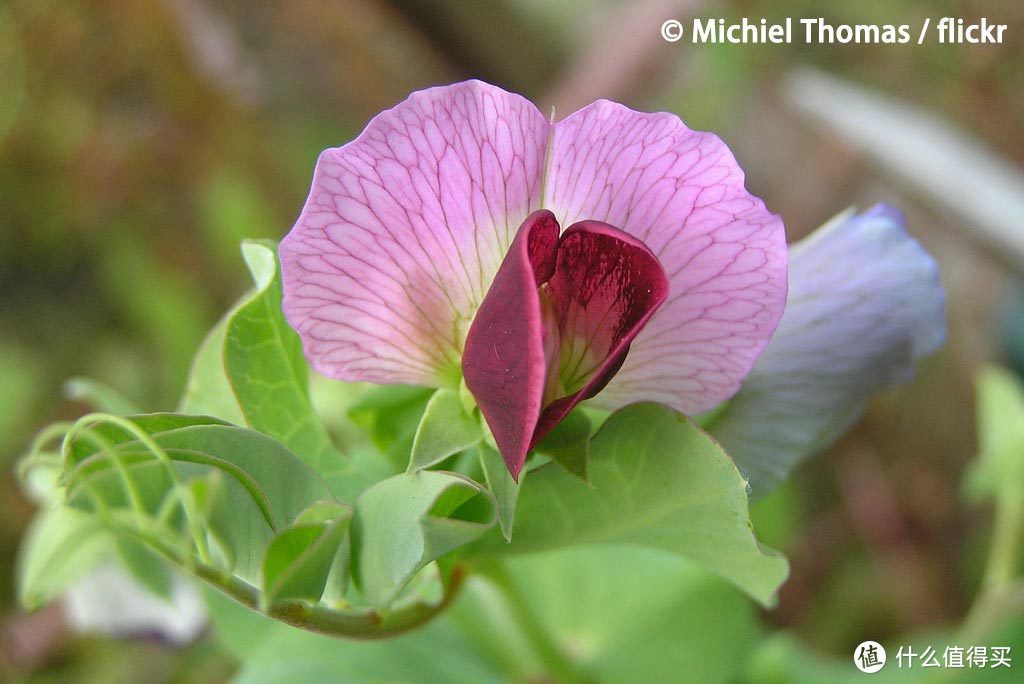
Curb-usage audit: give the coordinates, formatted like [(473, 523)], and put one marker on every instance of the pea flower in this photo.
[(431, 251), (865, 305)]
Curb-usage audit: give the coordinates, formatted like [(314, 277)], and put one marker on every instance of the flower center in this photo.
[(556, 325)]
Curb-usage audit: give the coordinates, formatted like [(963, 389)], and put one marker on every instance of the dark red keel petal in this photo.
[(504, 362), (605, 287)]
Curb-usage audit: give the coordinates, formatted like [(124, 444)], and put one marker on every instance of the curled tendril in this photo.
[(193, 555), (82, 427)]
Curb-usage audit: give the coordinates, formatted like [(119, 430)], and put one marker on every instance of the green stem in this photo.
[(557, 662), (1002, 592), (1007, 536), (365, 625), (350, 625)]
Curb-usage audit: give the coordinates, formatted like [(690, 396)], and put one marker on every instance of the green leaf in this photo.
[(266, 368), (95, 436), (212, 497), (273, 653), (299, 559), (619, 614), (630, 614), (658, 481), (406, 521), (257, 488), (250, 370), (338, 576), (445, 430), (568, 444), (60, 546), (504, 489), (208, 390)]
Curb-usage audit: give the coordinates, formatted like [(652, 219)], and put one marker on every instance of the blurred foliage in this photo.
[(141, 139)]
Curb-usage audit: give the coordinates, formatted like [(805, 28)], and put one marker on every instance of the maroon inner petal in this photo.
[(605, 287), (504, 361)]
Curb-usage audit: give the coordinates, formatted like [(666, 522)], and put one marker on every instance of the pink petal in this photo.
[(680, 192), (404, 229), (504, 363), (605, 287)]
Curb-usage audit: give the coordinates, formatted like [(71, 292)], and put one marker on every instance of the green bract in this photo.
[(445, 430)]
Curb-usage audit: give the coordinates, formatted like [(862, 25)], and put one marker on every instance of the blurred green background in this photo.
[(140, 140)]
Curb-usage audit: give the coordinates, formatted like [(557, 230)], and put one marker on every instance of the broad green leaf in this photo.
[(445, 430), (274, 653), (626, 614), (208, 390), (100, 434), (504, 489), (299, 559), (780, 517), (243, 632), (618, 614), (658, 481), (250, 370), (568, 444), (270, 473), (404, 522), (258, 488), (266, 368), (60, 546)]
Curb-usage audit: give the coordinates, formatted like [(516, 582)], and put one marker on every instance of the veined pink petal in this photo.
[(404, 229), (504, 362), (606, 285), (680, 192)]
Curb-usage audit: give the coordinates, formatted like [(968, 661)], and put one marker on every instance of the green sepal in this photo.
[(504, 489), (444, 430), (299, 560)]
